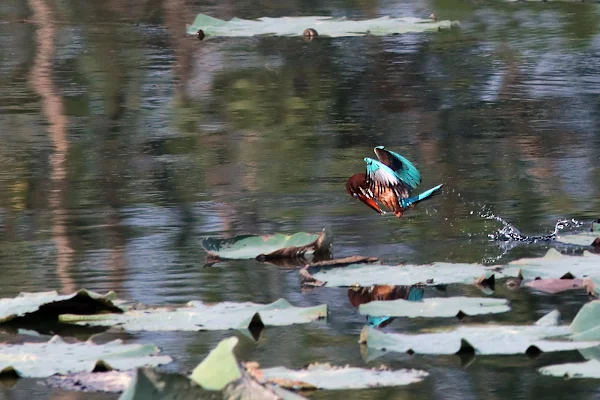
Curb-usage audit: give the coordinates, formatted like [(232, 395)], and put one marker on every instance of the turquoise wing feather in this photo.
[(404, 169), (381, 173)]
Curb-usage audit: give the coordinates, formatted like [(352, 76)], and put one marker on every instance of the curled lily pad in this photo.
[(205, 26), (40, 360), (220, 370), (435, 307), (485, 340), (586, 324), (49, 305), (268, 246), (148, 384), (326, 376), (196, 316)]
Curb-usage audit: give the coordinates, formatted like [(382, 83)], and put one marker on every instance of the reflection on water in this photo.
[(124, 143), (362, 295)]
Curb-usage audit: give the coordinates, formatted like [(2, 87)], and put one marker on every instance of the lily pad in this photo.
[(435, 307), (325, 26), (555, 285), (587, 369), (326, 376), (544, 336), (220, 370), (40, 360), (579, 239), (267, 247), (403, 275), (586, 324), (196, 316), (556, 265), (108, 381), (148, 384), (49, 305)]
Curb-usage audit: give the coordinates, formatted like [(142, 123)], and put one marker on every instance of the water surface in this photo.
[(124, 143)]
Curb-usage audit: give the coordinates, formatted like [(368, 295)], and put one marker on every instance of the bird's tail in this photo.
[(407, 202)]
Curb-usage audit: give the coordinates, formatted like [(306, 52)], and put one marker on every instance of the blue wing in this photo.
[(381, 174), (404, 169)]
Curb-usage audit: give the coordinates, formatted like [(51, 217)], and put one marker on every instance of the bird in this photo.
[(390, 180)]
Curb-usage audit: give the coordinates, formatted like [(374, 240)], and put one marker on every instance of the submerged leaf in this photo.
[(325, 376), (324, 26), (268, 246), (485, 340), (49, 305), (38, 360), (196, 316), (435, 307)]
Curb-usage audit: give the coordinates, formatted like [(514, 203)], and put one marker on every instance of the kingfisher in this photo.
[(390, 180)]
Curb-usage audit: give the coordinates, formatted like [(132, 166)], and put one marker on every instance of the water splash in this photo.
[(509, 233), (508, 236)]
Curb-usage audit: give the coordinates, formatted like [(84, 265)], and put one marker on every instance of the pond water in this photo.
[(125, 142)]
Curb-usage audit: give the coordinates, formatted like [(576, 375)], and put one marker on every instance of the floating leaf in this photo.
[(485, 340), (196, 316), (556, 265), (435, 307), (108, 381), (268, 246), (555, 285), (403, 275), (38, 360), (220, 370), (579, 239), (587, 369), (148, 384), (324, 26), (586, 324), (49, 305), (325, 376)]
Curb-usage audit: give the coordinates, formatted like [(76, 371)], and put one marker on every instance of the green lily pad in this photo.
[(325, 26), (586, 324), (40, 360), (49, 305), (579, 239), (489, 339), (148, 384), (266, 247), (556, 265), (435, 307), (587, 369), (404, 275), (196, 316), (326, 376), (220, 370)]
